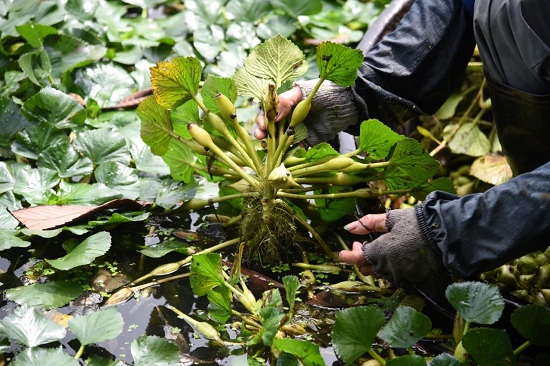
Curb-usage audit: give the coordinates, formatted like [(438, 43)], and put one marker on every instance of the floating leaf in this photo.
[(491, 168), (85, 253), (48, 295), (532, 322), (62, 158), (9, 240), (176, 81), (377, 139), (489, 347), (104, 145), (477, 302), (44, 357), (96, 327), (338, 63), (29, 327), (206, 273), (308, 353), (354, 331), (406, 327), (153, 350), (277, 59)]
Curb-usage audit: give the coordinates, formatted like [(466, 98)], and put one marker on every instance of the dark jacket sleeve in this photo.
[(482, 231), (415, 67)]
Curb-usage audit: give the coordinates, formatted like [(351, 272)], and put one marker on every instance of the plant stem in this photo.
[(80, 351), (363, 193), (317, 237), (520, 349), (377, 357)]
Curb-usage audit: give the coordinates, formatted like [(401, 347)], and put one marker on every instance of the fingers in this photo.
[(354, 256), (260, 132), (367, 224), (286, 101)]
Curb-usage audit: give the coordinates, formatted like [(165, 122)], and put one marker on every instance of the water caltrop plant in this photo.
[(194, 125)]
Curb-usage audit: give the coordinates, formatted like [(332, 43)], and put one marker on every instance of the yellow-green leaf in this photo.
[(176, 81)]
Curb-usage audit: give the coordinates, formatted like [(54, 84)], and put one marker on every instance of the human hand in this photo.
[(286, 101)]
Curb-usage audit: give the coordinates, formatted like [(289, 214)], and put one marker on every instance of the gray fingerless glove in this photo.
[(400, 255), (333, 109)]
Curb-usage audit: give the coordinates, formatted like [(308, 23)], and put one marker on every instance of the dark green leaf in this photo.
[(334, 209), (35, 184), (321, 151), (66, 113), (354, 331), (306, 352), (62, 158), (532, 322), (291, 283), (11, 120), (377, 139), (445, 359), (438, 184), (37, 67), (156, 125), (153, 350), (47, 295), (270, 317), (29, 327), (9, 240), (206, 273), (489, 347), (35, 33), (85, 253), (301, 7), (44, 357), (7, 179), (79, 194), (338, 63), (33, 140), (96, 327), (102, 146), (175, 192), (477, 302), (406, 327)]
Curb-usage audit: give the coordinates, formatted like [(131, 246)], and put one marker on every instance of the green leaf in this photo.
[(106, 84), (81, 194), (153, 350), (44, 357), (48, 295), (36, 66), (62, 158), (35, 33), (489, 347), (220, 308), (176, 81), (477, 302), (214, 85), (66, 114), (277, 59), (445, 359), (270, 318), (320, 151), (182, 115), (307, 352), (29, 327), (206, 273), (410, 165), (448, 109), (33, 140), (469, 139), (102, 146), (249, 85), (438, 184), (377, 139), (354, 331), (407, 360), (174, 192), (298, 8), (331, 210), (156, 125), (406, 327), (178, 158), (35, 184), (248, 10), (7, 179), (532, 322), (11, 120), (96, 327), (338, 63), (9, 240), (85, 253), (119, 177), (160, 250), (120, 218), (291, 283)]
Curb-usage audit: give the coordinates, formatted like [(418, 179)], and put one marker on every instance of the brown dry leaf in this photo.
[(53, 216), (491, 168)]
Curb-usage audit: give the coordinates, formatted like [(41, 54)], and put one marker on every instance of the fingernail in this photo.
[(347, 227)]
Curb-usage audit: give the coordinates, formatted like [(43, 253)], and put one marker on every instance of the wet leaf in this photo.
[(153, 350), (445, 359), (11, 120), (104, 145), (307, 352), (491, 347), (338, 63), (176, 81), (406, 327), (52, 216), (48, 295), (35, 184), (491, 168), (85, 253), (377, 139), (270, 318), (44, 357), (9, 240), (206, 273), (62, 158), (532, 322), (292, 284), (477, 302), (100, 326), (156, 125), (276, 59), (354, 331), (29, 327)]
